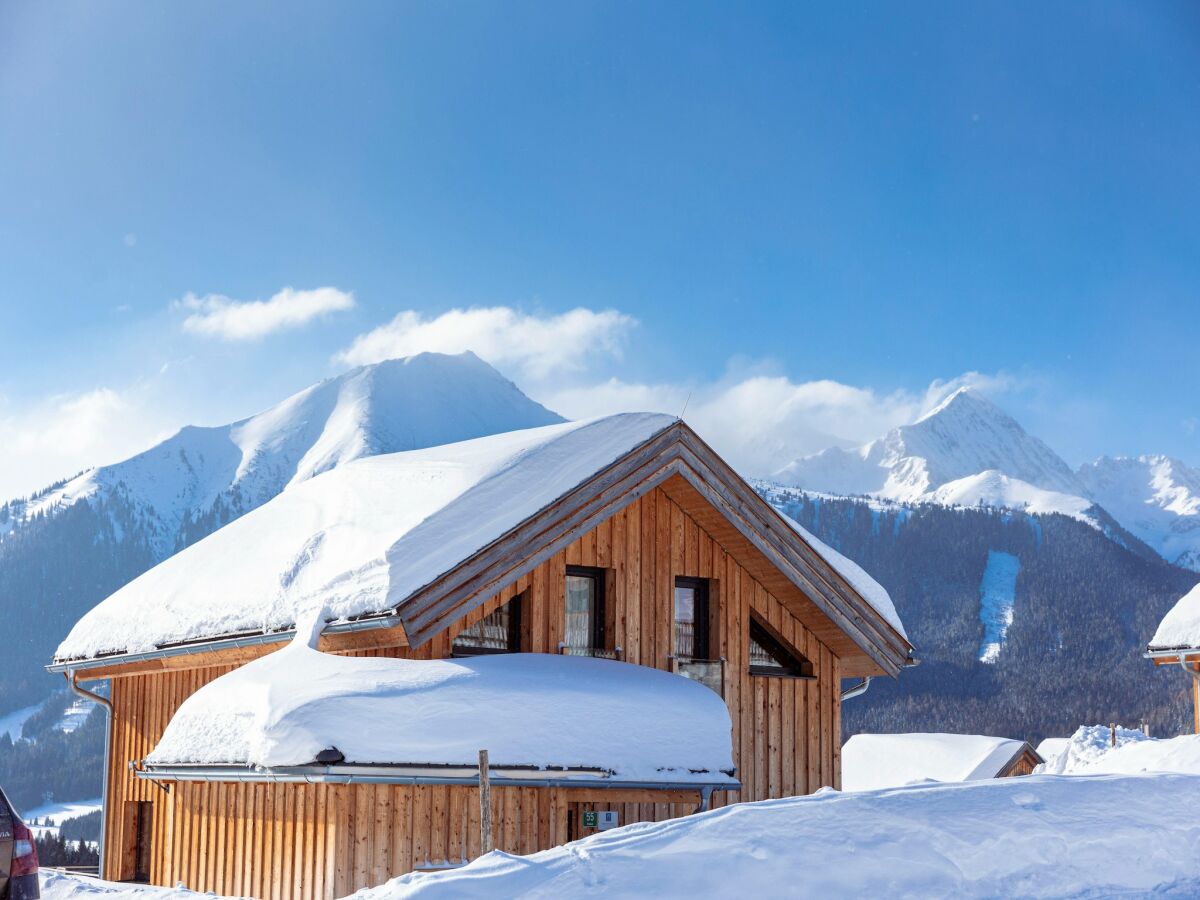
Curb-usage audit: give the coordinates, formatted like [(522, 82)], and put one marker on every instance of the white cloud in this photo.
[(66, 433), (214, 315), (536, 346), (758, 422)]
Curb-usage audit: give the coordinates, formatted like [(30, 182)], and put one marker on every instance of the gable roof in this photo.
[(420, 538), (873, 761)]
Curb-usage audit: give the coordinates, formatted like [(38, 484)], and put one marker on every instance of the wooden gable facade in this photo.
[(695, 522)]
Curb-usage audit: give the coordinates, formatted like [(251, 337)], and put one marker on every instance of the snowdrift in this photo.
[(1089, 751), (1037, 836)]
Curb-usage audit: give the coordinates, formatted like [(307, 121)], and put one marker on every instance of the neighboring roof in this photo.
[(872, 761), (425, 536), (1050, 748), (1180, 628), (542, 711)]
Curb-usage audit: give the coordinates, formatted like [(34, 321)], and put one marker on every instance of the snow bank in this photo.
[(526, 709), (1180, 628), (358, 539), (1089, 751), (871, 761), (1026, 837), (60, 886)]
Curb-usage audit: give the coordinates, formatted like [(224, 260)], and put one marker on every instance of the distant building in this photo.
[(1177, 642), (625, 539), (872, 761)]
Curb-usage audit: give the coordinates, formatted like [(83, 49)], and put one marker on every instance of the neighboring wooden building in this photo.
[(625, 538), (1177, 643), (873, 761)]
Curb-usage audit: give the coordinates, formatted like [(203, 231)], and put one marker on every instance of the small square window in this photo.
[(770, 656), (497, 632)]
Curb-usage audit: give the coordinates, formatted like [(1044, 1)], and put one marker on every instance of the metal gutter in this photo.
[(253, 640), (1171, 654), (591, 778), (106, 704), (857, 691)]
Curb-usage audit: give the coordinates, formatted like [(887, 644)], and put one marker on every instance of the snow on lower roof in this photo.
[(358, 539), (873, 761), (1180, 628), (870, 589), (526, 709)]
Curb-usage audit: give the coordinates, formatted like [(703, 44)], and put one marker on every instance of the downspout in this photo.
[(71, 675), (857, 691)]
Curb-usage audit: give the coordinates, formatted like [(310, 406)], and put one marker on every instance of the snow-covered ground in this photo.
[(997, 594), (57, 813), (1039, 836), (1013, 837), (60, 886)]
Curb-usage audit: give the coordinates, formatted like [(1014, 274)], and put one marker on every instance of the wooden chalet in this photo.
[(625, 538), (1177, 643)]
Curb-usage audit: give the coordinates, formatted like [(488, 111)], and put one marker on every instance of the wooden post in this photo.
[(1196, 699), (1112, 733), (485, 804)]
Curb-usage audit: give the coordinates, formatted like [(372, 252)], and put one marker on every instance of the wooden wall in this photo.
[(241, 839)]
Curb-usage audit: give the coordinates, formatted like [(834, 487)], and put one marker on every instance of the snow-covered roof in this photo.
[(358, 539), (363, 537), (872, 761), (1180, 628), (550, 712)]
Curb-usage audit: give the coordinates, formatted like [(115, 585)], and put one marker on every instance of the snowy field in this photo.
[(57, 813), (1039, 836)]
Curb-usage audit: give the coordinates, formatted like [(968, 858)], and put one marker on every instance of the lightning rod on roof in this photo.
[(685, 403)]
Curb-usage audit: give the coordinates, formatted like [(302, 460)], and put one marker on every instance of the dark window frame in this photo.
[(701, 620), (795, 664), (515, 631), (599, 576)]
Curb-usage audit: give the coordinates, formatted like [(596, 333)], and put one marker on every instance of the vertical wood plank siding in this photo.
[(321, 840)]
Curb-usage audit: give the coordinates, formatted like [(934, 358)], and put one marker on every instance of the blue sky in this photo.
[(848, 205)]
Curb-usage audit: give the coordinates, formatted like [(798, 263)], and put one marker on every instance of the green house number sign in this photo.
[(601, 820)]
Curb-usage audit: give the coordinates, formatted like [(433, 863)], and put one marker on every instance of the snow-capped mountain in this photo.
[(203, 477), (969, 452), (1154, 497), (967, 447)]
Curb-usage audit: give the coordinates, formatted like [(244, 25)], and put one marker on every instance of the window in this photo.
[(691, 618), (585, 611), (497, 632), (770, 656)]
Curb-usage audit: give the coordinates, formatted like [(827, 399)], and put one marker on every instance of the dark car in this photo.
[(18, 856)]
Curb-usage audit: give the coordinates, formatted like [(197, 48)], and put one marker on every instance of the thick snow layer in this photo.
[(1089, 751), (358, 539), (997, 594), (871, 761), (526, 709), (1011, 837), (1180, 628), (995, 489), (868, 588)]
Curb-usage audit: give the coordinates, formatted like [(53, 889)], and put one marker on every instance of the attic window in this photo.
[(770, 656), (497, 632)]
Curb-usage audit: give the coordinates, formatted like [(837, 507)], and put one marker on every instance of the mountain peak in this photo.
[(966, 401)]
